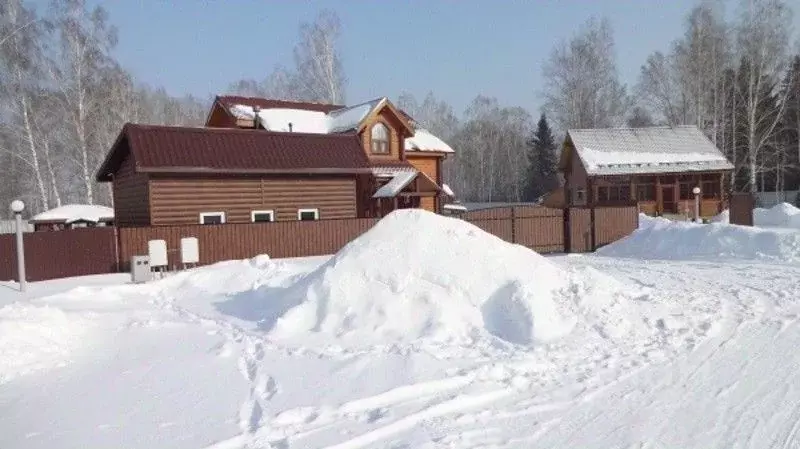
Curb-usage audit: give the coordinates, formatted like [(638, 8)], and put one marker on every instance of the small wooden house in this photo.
[(269, 160), (656, 167), (73, 216)]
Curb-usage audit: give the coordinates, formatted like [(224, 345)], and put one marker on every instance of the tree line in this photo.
[(64, 99)]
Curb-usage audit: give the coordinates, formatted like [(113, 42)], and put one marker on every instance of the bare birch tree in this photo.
[(85, 39), (763, 40), (582, 88), (20, 56), (318, 64)]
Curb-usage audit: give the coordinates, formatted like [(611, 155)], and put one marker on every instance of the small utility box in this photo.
[(157, 250), (190, 251), (140, 269)]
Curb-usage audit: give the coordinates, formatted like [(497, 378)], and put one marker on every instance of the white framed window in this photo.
[(308, 214), (211, 218), (262, 216), (580, 196), (380, 138)]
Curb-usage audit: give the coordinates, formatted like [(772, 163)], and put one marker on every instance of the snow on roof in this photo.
[(423, 140), (458, 207), (75, 212), (646, 150), (350, 117), (398, 183), (303, 121), (391, 170), (447, 190), (307, 121)]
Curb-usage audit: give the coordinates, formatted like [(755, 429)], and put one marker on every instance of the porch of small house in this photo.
[(664, 194), (403, 191)]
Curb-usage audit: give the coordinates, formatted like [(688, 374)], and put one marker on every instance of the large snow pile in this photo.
[(783, 215), (659, 238), (420, 275)]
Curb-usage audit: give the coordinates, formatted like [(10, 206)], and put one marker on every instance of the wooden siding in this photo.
[(131, 195), (430, 166), (576, 177), (396, 141), (177, 201), (218, 118)]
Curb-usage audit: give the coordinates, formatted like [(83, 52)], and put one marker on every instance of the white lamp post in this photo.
[(17, 207), (696, 192)]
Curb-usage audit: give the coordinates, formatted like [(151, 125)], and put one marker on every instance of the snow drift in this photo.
[(34, 338), (783, 215), (659, 238), (420, 275)]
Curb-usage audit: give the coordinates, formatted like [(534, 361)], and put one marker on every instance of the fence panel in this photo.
[(741, 209), (241, 241), (614, 223), (53, 255), (539, 228), (579, 230)]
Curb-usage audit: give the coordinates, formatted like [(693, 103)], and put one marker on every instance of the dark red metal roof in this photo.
[(265, 103), (171, 149)]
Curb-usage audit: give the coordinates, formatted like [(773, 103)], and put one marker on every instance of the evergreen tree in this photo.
[(542, 162)]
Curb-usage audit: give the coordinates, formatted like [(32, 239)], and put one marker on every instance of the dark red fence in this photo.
[(741, 209), (77, 252), (52, 255)]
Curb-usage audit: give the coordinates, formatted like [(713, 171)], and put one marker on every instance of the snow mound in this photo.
[(418, 275), (782, 215), (659, 238), (34, 338)]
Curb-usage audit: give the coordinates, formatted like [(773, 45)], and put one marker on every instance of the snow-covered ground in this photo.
[(453, 339)]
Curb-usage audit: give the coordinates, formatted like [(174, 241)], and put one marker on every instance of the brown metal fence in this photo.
[(79, 252), (741, 209), (578, 230), (613, 223), (52, 255), (240, 241)]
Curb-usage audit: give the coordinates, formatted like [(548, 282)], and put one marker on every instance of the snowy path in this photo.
[(154, 372)]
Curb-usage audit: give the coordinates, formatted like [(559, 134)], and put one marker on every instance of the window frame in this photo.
[(271, 213), (220, 214), (385, 143), (300, 212)]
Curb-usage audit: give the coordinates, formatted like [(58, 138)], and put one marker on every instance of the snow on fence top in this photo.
[(71, 213), (340, 120), (646, 150)]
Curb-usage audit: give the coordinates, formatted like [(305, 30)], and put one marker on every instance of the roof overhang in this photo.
[(256, 171), (386, 104)]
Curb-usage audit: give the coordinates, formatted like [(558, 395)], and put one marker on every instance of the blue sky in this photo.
[(457, 49)]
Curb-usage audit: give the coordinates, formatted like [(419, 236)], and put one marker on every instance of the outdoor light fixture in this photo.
[(696, 192), (17, 207)]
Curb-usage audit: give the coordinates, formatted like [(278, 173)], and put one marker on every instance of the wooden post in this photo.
[(659, 197), (590, 194), (513, 225)]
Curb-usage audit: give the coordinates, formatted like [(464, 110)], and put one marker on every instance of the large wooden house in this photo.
[(656, 167), (258, 159)]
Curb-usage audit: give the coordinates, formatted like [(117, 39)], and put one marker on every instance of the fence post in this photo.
[(593, 237), (513, 225)]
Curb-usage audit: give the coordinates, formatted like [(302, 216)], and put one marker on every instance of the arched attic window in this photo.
[(380, 139)]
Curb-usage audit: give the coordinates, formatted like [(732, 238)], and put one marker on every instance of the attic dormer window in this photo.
[(380, 139)]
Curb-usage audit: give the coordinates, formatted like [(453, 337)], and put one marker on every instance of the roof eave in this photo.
[(256, 171)]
